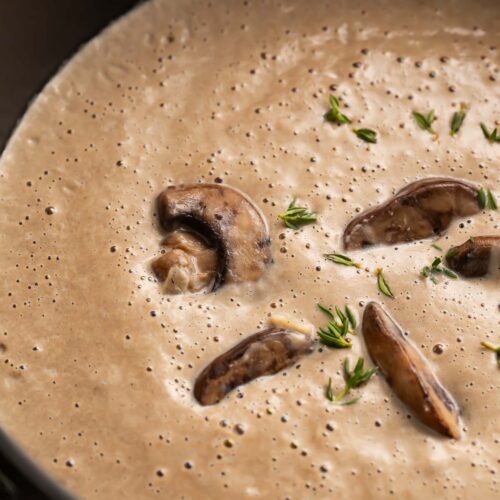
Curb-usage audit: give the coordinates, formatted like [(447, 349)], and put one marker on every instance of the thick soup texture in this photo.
[(99, 360)]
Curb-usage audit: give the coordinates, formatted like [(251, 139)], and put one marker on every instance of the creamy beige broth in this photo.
[(99, 363)]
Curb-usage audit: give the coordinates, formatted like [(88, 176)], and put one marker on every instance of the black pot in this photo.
[(36, 37)]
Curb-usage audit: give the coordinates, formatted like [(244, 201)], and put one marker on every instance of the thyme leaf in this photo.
[(486, 199), (351, 316), (493, 136), (334, 115), (492, 202), (329, 390), (295, 216), (456, 121), (383, 285), (425, 121), (344, 260), (482, 198), (366, 134)]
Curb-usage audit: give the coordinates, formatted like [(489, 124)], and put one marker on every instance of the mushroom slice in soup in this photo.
[(228, 220), (476, 257), (422, 209), (188, 265), (263, 353), (408, 373)]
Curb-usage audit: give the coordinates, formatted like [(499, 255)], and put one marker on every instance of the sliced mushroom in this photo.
[(263, 353), (228, 219), (189, 264), (408, 373), (476, 257), (422, 209)]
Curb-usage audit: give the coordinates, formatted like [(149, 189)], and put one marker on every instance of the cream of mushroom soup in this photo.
[(99, 360)]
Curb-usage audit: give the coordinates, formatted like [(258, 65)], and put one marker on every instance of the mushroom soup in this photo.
[(184, 193)]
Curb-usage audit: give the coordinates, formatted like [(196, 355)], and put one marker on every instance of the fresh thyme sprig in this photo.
[(334, 115), (491, 348), (334, 334), (383, 285), (295, 216), (457, 120), (493, 136), (437, 268), (486, 199), (353, 379), (366, 134), (344, 260), (425, 121)]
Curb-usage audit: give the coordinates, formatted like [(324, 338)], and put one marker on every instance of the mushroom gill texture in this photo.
[(478, 256), (422, 209), (263, 353), (229, 221), (408, 373), (188, 265)]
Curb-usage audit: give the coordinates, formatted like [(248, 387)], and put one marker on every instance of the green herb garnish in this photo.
[(494, 349), (351, 317), (353, 379), (493, 136), (366, 134), (334, 335), (482, 198), (425, 121), (295, 216), (383, 286), (334, 115), (344, 260), (456, 121), (329, 390), (486, 199), (453, 252), (437, 268), (437, 247), (492, 202)]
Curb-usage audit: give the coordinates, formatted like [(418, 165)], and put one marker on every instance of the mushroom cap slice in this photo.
[(476, 257), (422, 209), (228, 219), (263, 353), (408, 373)]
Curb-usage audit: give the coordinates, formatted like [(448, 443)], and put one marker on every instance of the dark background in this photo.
[(36, 37)]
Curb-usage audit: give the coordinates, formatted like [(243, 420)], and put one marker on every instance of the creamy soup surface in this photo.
[(98, 363)]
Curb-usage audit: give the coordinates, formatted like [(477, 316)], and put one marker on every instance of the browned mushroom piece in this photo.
[(228, 221), (263, 353), (422, 209), (189, 263), (408, 373), (476, 257)]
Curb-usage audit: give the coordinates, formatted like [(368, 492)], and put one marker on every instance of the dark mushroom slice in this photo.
[(477, 257), (228, 219), (263, 353), (408, 373), (420, 210)]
